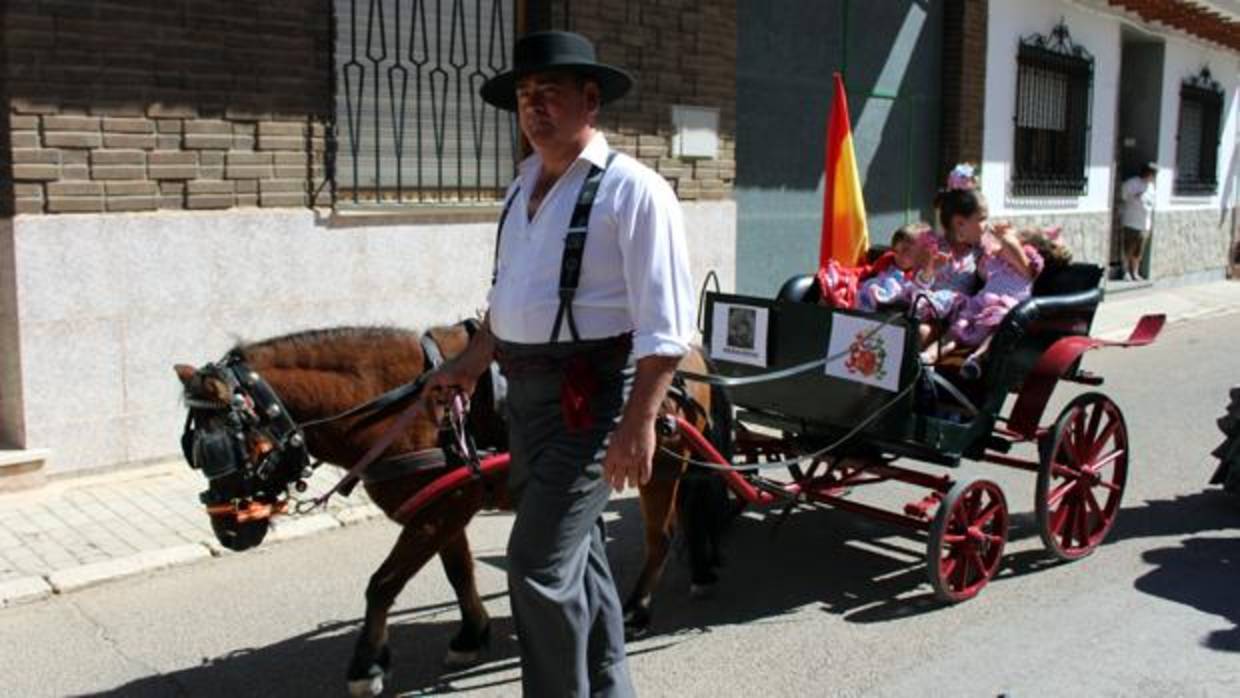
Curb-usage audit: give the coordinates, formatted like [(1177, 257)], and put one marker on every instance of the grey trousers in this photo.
[(570, 625)]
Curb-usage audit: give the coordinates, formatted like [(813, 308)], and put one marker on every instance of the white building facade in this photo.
[(1152, 93)]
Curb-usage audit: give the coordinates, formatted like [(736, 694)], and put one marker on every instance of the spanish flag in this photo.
[(844, 234)]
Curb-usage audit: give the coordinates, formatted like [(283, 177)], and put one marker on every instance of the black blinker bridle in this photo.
[(219, 439)]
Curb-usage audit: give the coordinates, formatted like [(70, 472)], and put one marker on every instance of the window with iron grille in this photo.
[(1054, 82), (409, 125), (1196, 157)]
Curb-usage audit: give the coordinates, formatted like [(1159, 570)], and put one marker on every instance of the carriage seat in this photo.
[(802, 288), (1064, 301)]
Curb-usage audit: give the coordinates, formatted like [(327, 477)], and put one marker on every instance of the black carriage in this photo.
[(836, 396)]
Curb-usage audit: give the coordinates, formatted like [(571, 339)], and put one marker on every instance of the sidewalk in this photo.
[(75, 533), (1120, 311)]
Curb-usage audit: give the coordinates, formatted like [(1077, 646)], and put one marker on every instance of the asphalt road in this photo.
[(826, 605)]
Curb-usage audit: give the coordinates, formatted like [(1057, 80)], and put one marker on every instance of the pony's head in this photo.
[(244, 442)]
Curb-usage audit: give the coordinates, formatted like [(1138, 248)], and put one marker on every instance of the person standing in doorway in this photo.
[(1137, 218), (590, 310)]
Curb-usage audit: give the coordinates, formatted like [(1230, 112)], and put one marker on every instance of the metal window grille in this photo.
[(1197, 137), (409, 125), (1054, 91)]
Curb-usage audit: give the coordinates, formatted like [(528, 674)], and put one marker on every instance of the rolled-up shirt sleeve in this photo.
[(656, 270)]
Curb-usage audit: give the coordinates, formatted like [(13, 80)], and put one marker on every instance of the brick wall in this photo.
[(964, 82), (681, 52), (150, 104)]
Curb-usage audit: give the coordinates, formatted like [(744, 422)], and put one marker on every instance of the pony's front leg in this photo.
[(658, 501), (423, 536), (475, 633)]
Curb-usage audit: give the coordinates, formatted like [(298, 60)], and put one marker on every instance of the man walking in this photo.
[(1137, 217), (591, 307)]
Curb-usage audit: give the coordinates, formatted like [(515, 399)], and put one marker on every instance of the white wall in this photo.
[(1009, 21), (106, 304), (1185, 59)]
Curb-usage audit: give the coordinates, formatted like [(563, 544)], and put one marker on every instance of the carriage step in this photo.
[(1086, 378), (998, 444)]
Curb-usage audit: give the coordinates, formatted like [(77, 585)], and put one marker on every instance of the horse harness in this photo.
[(219, 448), (215, 439)]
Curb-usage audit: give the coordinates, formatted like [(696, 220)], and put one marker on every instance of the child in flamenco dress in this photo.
[(951, 274), (889, 280), (1008, 273)]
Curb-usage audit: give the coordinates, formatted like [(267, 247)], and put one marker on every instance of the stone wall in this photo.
[(1184, 242), (1088, 235), (152, 105), (1188, 242), (681, 52)]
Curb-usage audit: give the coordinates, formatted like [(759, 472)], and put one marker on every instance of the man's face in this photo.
[(554, 107)]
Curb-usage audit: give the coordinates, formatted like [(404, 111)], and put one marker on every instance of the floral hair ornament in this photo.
[(961, 177), (1052, 232)]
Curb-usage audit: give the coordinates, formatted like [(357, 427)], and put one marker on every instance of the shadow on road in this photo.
[(1207, 510), (862, 571), (1202, 573), (314, 663), (858, 569)]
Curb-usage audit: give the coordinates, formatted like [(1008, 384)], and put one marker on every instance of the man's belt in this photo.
[(522, 361)]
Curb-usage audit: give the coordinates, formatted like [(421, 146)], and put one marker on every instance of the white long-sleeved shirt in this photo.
[(635, 269)]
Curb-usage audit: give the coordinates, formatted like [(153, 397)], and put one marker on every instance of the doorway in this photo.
[(1136, 129)]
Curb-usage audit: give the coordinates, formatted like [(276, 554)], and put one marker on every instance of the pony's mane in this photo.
[(307, 338), (306, 349)]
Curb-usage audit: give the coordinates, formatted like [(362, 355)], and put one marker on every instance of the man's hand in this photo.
[(452, 375), (631, 450), (630, 454), (462, 372)]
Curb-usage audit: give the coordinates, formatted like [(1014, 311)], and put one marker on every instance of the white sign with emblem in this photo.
[(865, 351), (739, 333)]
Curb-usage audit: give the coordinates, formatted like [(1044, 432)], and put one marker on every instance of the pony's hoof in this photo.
[(455, 659), (636, 623), (367, 688), (370, 672), (702, 591), (466, 651)]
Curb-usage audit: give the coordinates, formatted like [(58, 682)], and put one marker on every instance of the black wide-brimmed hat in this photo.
[(554, 50)]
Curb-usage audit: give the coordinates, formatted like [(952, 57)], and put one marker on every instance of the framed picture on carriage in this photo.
[(739, 333), (865, 350)]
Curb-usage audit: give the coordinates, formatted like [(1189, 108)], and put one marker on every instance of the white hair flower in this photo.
[(961, 177)]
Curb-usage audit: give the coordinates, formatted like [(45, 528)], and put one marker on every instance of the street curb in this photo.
[(82, 576), (288, 529), (1120, 334), (34, 588), (23, 590), (356, 515)]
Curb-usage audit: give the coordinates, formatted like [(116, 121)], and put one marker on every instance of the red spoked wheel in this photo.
[(1081, 478), (967, 537)]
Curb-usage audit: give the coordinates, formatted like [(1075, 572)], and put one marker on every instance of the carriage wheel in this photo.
[(966, 539), (1081, 477)]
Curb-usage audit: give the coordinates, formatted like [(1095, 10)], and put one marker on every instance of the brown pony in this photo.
[(318, 374)]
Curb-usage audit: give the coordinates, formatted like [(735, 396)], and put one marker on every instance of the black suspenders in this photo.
[(574, 247), (499, 233)]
